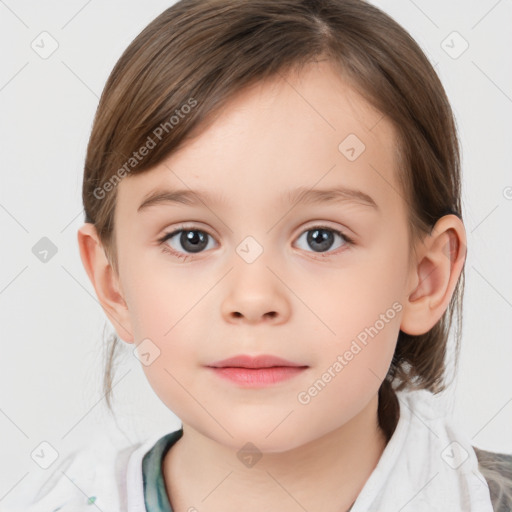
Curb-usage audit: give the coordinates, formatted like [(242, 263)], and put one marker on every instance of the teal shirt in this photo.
[(155, 495)]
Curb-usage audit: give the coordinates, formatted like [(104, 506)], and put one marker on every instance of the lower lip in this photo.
[(258, 377)]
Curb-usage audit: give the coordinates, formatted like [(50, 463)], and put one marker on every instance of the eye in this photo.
[(191, 240), (321, 238)]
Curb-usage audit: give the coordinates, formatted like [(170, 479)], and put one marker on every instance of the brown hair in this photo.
[(199, 53)]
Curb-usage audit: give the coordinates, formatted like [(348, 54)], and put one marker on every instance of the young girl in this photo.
[(273, 221)]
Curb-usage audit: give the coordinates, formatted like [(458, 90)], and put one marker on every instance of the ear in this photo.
[(434, 275), (105, 281)]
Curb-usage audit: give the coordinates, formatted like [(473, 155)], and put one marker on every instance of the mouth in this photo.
[(258, 371), (255, 362)]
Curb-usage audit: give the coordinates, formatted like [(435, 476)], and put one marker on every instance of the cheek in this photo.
[(368, 292), (174, 342), (364, 311), (349, 374), (162, 295), (165, 306)]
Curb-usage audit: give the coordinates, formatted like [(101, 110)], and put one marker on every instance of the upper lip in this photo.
[(247, 361)]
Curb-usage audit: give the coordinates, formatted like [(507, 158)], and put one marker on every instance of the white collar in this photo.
[(427, 465)]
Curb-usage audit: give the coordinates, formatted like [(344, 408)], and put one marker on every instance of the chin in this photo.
[(262, 440)]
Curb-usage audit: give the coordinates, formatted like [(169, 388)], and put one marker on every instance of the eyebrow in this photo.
[(300, 195)]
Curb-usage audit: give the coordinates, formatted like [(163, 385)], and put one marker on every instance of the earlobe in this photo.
[(105, 282), (440, 262)]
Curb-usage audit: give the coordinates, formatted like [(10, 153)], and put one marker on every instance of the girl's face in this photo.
[(263, 279)]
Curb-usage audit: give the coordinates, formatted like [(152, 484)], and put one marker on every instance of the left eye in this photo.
[(322, 238)]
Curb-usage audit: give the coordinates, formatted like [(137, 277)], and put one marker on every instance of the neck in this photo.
[(326, 474)]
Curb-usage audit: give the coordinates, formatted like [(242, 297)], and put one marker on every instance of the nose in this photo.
[(255, 293)]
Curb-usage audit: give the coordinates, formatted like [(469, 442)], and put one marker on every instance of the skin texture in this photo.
[(290, 301)]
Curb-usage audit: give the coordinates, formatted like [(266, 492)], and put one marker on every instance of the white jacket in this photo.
[(428, 465)]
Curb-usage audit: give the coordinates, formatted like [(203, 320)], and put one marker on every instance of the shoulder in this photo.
[(93, 474), (497, 470), (495, 467)]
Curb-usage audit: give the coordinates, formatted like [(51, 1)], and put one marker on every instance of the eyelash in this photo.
[(167, 249)]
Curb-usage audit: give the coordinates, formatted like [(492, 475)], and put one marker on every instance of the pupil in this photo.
[(196, 239), (322, 237)]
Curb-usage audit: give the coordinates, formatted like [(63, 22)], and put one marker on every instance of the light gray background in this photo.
[(51, 323)]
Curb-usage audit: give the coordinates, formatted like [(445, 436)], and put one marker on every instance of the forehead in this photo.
[(295, 130)]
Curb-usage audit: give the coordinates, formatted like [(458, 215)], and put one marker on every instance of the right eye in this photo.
[(191, 240)]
